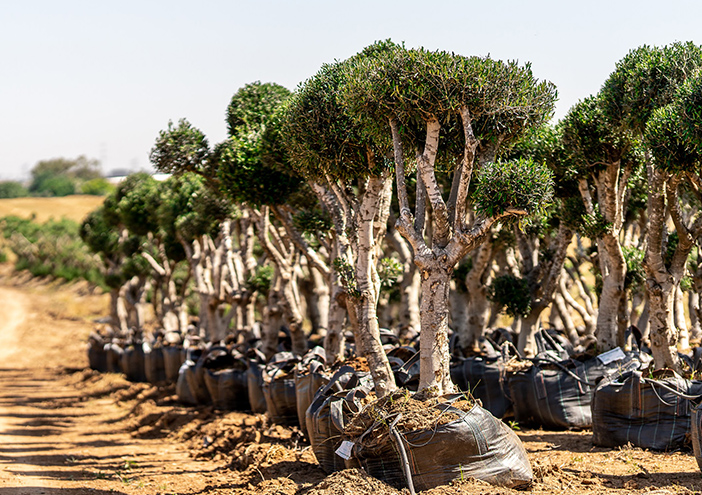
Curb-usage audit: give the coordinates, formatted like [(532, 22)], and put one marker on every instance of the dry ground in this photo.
[(74, 207), (68, 431)]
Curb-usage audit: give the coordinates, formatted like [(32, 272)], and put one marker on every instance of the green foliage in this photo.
[(251, 166), (181, 148), (61, 176), (97, 187), (675, 130), (138, 199), (347, 276), (51, 249), (646, 79), (312, 221), (590, 140), (415, 85), (390, 271), (635, 273), (517, 185), (243, 176), (260, 280), (12, 189), (252, 106), (321, 136), (512, 294)]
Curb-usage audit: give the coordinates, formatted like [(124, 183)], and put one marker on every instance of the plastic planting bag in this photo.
[(279, 388), (697, 434), (482, 377), (437, 443), (113, 354), (652, 412), (173, 358), (330, 410), (404, 361), (254, 379), (97, 356), (310, 376), (154, 364), (132, 363), (190, 387), (556, 393), (225, 379)]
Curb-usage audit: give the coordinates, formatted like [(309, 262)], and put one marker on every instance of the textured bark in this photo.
[(679, 319), (477, 281), (435, 376)]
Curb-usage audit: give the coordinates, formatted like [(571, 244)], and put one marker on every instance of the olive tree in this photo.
[(351, 176), (445, 111), (674, 133), (645, 80)]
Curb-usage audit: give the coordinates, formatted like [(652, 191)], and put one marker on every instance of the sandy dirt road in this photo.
[(56, 440)]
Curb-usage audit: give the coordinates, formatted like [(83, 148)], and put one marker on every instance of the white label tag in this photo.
[(610, 356), (344, 450)]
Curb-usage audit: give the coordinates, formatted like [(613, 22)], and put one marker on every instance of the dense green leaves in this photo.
[(180, 148), (516, 185), (252, 106), (512, 294)]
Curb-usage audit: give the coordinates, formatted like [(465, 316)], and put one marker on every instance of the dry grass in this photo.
[(73, 207)]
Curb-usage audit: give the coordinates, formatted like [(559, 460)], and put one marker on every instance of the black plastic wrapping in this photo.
[(696, 426), (557, 394), (173, 358), (482, 377), (476, 445), (310, 376), (225, 379), (132, 363), (279, 389), (254, 379), (113, 353), (191, 387), (650, 413), (330, 410), (154, 364), (97, 356)]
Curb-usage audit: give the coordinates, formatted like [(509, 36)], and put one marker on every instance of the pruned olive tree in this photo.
[(221, 261), (352, 179), (674, 133), (603, 159), (248, 174), (446, 111), (645, 80)]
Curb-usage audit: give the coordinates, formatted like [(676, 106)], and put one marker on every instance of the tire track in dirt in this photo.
[(59, 439)]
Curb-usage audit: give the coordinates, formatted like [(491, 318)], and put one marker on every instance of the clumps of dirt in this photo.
[(352, 481), (413, 415), (360, 364), (515, 365)]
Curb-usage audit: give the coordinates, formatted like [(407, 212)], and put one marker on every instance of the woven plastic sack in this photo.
[(482, 377), (556, 394), (651, 413), (696, 428), (225, 379), (279, 389), (113, 353), (97, 356), (254, 379), (173, 358), (329, 412), (132, 363), (154, 364), (476, 445), (228, 388), (190, 387), (310, 376)]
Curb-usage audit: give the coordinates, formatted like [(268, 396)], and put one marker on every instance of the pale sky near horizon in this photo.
[(98, 78)]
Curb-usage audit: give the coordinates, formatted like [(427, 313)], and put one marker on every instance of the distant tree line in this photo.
[(60, 177)]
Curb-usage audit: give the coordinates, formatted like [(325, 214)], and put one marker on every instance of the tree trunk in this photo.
[(435, 376), (526, 344), (664, 338), (335, 342), (607, 332), (680, 322)]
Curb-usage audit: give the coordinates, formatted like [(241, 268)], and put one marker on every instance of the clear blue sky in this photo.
[(100, 78)]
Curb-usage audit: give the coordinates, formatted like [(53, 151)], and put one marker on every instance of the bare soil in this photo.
[(67, 430)]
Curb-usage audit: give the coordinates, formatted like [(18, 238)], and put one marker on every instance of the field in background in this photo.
[(72, 207)]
